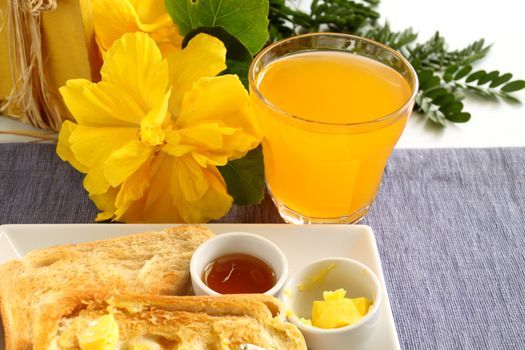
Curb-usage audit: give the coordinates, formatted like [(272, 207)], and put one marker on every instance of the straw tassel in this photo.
[(30, 99)]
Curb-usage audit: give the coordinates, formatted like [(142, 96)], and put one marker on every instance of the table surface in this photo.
[(461, 22), (449, 225)]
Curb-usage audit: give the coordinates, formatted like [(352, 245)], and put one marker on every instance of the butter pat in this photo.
[(100, 334), (334, 313), (337, 311), (362, 305)]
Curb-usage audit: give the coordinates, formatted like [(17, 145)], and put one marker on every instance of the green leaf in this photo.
[(238, 58), (514, 86), (473, 52), (489, 77), (246, 20), (461, 117), (452, 107), (434, 93), (501, 80), (444, 99), (448, 75), (245, 178), (463, 72), (476, 75), (427, 80)]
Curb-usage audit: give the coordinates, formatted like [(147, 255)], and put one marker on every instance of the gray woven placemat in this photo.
[(450, 226)]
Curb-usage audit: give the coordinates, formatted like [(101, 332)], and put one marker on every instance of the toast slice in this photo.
[(163, 322), (150, 263)]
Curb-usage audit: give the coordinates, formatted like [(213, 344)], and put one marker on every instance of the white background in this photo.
[(461, 22)]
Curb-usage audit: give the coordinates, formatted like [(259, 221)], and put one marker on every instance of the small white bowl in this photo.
[(237, 242), (358, 281)]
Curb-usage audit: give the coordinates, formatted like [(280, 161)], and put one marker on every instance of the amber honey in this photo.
[(238, 273)]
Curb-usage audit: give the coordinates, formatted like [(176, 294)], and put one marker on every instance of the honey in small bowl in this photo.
[(238, 273)]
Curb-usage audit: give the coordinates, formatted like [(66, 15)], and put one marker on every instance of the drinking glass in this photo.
[(320, 166)]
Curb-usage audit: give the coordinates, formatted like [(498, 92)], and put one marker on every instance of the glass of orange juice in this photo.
[(331, 108)]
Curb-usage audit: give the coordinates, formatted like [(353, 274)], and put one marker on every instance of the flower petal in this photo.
[(132, 189), (206, 135), (190, 180), (134, 63), (165, 201), (214, 204), (114, 18), (207, 141), (204, 56), (111, 19), (166, 35), (122, 163), (106, 203), (154, 19), (151, 130), (156, 205), (92, 146), (209, 159), (95, 182), (150, 11), (160, 174), (100, 104), (223, 101), (104, 216), (64, 146), (173, 145)]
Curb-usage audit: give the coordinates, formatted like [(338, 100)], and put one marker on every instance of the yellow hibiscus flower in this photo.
[(150, 134), (114, 18)]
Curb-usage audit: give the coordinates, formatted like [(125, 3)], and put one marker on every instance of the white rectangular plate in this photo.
[(300, 244)]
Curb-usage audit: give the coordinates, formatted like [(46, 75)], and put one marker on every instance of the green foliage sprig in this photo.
[(344, 16), (446, 76)]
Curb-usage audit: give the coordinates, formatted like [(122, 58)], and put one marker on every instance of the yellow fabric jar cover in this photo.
[(43, 43)]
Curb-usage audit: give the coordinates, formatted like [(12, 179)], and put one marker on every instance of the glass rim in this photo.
[(254, 87)]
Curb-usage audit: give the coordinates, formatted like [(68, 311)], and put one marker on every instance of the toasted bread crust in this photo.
[(154, 262), (214, 322)]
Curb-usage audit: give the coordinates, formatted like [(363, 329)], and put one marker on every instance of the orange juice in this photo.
[(330, 120)]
